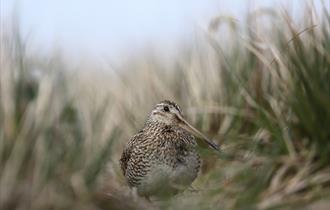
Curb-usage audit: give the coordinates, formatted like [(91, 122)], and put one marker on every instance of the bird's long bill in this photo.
[(185, 125)]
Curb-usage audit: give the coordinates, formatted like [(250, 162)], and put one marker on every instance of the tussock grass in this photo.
[(264, 96)]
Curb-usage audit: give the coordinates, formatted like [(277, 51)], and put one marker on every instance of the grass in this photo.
[(264, 96)]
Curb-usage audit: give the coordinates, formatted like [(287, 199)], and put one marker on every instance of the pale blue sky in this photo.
[(112, 27)]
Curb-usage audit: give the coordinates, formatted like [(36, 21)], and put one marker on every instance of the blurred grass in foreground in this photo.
[(265, 96)]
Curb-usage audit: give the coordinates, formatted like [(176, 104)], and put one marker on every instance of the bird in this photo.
[(162, 160)]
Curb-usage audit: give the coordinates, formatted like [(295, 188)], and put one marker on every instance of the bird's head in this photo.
[(170, 113)]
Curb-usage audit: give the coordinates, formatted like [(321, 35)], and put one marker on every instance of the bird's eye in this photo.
[(166, 109)]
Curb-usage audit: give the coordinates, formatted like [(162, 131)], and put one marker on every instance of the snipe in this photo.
[(161, 159)]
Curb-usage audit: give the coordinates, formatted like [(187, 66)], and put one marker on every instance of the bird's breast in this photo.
[(164, 178)]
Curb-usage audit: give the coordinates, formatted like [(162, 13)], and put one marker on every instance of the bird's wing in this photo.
[(126, 155)]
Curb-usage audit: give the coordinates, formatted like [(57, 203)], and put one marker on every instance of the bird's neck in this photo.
[(156, 127)]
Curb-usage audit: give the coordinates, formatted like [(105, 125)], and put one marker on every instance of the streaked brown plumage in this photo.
[(162, 159)]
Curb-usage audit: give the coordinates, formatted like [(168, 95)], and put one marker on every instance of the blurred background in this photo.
[(113, 30), (78, 78)]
